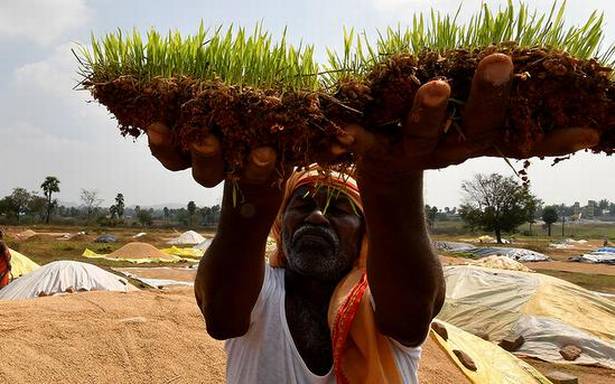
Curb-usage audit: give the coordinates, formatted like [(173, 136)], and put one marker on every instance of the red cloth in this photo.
[(5, 268)]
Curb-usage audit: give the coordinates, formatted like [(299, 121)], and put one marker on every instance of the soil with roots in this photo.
[(551, 90)]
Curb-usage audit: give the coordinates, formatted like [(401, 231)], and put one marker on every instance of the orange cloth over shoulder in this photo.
[(360, 353), (5, 266)]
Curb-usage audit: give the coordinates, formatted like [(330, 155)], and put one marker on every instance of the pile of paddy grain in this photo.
[(138, 250)]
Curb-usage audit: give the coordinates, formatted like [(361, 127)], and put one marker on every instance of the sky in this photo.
[(50, 129)]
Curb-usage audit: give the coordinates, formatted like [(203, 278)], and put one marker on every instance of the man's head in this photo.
[(321, 232)]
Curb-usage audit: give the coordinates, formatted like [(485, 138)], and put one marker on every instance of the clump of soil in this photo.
[(136, 104), (292, 122), (551, 90)]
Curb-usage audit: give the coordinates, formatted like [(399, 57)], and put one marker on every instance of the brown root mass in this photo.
[(551, 90), (292, 123)]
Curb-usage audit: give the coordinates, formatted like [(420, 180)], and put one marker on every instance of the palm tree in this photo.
[(49, 186), (191, 210)]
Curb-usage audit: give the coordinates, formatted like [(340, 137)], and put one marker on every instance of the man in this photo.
[(5, 263), (357, 282)]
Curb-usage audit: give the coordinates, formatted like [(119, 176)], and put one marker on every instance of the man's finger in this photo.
[(449, 153), (425, 123), (207, 162), (361, 141), (162, 145), (485, 109), (261, 165), (209, 146), (343, 144), (565, 141)]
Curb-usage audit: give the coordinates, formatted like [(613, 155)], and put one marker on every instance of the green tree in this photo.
[(90, 200), (549, 216), (16, 204), (117, 209), (191, 210), (495, 203), (49, 186), (38, 206), (533, 206), (210, 215), (144, 217), (119, 205), (431, 214), (166, 213)]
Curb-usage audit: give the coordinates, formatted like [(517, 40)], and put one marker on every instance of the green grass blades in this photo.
[(232, 56), (237, 57), (442, 32)]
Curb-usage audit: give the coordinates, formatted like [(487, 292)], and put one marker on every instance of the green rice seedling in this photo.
[(251, 88), (441, 33), (553, 62), (232, 56)]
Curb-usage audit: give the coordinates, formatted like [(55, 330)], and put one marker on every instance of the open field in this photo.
[(44, 249), (141, 337), (142, 319), (594, 282), (593, 230)]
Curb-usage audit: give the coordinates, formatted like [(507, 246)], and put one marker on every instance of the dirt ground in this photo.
[(168, 273), (138, 337), (108, 337), (586, 375), (598, 269), (159, 336)]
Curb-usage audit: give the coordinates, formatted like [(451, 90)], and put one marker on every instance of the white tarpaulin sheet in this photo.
[(604, 255), (544, 338), (549, 313), (203, 245), (452, 246), (517, 254), (61, 277), (160, 283), (187, 238)]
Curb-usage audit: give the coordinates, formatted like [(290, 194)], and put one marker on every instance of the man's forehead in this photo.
[(314, 189)]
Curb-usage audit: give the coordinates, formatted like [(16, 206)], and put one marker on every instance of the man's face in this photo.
[(321, 233)]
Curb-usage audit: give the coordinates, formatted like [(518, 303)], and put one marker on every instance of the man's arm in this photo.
[(230, 274), (404, 274)]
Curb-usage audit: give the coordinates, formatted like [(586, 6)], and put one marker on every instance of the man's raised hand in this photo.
[(205, 158)]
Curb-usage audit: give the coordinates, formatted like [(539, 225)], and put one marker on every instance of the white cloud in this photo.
[(50, 130), (54, 75), (394, 3), (397, 5), (41, 21), (44, 88)]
